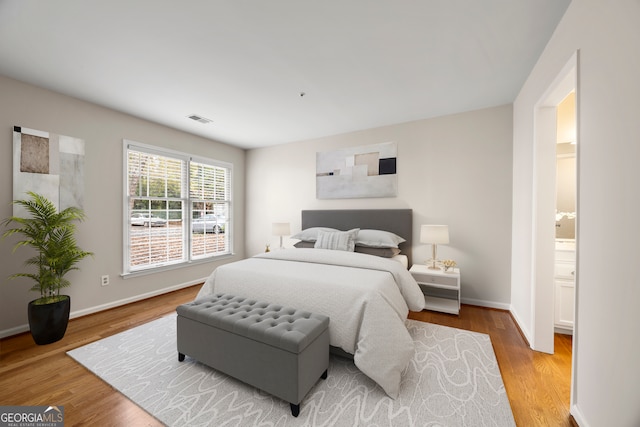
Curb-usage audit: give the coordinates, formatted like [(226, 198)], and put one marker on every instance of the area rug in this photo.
[(453, 380)]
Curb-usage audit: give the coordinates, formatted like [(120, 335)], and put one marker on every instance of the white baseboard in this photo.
[(96, 309), (484, 303), (525, 331), (577, 416), (563, 331), (500, 306), (14, 331)]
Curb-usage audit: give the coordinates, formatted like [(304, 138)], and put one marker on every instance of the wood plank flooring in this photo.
[(537, 384)]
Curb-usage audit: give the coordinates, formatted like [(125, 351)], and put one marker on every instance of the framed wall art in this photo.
[(48, 164), (357, 172)]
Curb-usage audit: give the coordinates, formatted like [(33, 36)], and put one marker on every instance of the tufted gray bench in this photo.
[(280, 350)]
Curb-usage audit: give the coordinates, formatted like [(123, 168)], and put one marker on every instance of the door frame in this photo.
[(544, 191)]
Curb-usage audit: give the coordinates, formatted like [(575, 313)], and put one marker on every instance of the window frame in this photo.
[(187, 215)]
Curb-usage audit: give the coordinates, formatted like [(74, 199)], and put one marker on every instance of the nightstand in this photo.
[(441, 289)]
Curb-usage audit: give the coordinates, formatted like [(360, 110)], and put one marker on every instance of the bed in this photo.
[(367, 297)]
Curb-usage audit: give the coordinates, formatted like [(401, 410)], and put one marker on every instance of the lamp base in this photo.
[(432, 264)]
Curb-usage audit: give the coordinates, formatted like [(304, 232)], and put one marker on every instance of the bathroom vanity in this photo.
[(565, 269)]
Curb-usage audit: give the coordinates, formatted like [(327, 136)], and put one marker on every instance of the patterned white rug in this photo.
[(453, 380)]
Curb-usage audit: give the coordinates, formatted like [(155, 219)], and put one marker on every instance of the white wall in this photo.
[(103, 131), (606, 375), (453, 170)]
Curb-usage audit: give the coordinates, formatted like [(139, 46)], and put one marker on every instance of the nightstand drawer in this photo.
[(436, 280)]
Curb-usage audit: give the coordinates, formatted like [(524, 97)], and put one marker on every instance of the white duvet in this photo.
[(367, 299)]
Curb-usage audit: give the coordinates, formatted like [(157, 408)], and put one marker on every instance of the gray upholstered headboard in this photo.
[(398, 221)]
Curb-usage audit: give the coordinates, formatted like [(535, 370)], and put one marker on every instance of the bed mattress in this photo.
[(367, 299)]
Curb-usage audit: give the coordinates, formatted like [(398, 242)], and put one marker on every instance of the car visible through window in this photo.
[(208, 223), (146, 220)]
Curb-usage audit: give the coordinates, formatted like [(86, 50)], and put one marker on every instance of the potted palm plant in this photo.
[(51, 234)]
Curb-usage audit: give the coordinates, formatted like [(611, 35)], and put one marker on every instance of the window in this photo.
[(177, 208)]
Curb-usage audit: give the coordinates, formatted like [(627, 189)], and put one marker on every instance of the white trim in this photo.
[(125, 219), (525, 331), (187, 214), (14, 331), (577, 416), (96, 309), (152, 149), (153, 270), (543, 226), (544, 229), (485, 303), (135, 298)]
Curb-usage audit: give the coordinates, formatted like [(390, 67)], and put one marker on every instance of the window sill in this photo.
[(176, 266)]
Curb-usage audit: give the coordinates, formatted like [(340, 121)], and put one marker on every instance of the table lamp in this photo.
[(434, 235), (281, 229)]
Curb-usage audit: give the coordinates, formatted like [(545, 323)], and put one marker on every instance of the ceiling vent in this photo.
[(199, 119)]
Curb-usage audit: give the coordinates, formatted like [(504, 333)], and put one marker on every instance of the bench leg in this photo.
[(180, 357), (295, 409)]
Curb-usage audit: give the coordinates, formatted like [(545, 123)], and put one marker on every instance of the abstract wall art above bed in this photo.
[(357, 172), (48, 164)]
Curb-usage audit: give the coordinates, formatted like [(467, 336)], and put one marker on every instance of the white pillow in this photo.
[(311, 234), (337, 240), (378, 239)]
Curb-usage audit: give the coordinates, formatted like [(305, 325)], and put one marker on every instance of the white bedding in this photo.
[(402, 259), (367, 299)]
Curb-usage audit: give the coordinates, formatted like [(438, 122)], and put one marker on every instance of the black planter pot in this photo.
[(48, 322)]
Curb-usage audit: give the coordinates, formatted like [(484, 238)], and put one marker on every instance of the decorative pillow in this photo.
[(303, 244), (381, 252), (311, 234), (337, 240), (378, 239)]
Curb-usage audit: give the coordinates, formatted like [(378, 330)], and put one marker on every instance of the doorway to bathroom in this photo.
[(566, 193), (546, 209)]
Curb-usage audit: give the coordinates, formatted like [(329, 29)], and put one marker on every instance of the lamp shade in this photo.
[(434, 234), (281, 229)]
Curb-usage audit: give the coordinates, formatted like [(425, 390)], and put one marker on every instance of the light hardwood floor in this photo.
[(537, 384)]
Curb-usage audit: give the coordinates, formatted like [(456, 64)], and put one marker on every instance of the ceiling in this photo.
[(278, 71)]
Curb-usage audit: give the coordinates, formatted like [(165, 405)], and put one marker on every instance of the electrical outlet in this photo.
[(104, 280)]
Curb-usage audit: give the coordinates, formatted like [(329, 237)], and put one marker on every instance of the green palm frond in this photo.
[(52, 235)]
